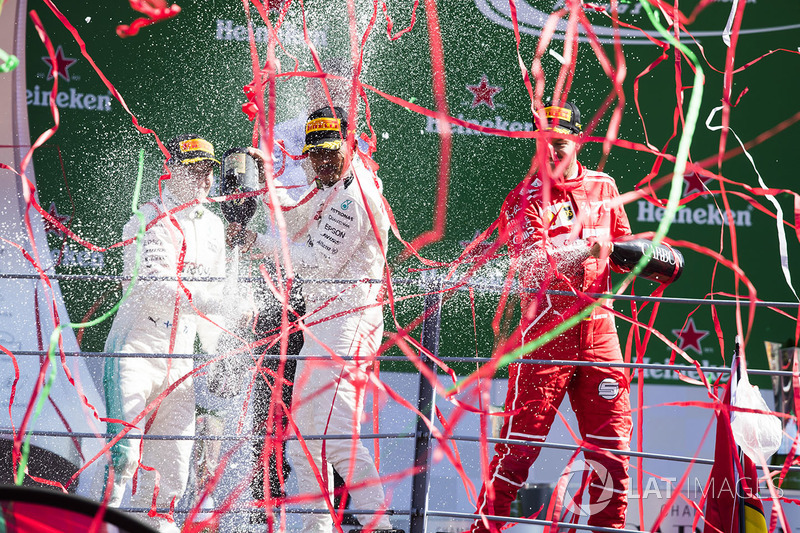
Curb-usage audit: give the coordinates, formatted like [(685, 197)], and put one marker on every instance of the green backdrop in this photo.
[(186, 74)]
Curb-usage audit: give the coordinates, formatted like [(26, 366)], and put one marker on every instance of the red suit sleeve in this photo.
[(521, 224), (620, 225)]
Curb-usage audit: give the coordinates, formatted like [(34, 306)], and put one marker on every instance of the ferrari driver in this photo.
[(558, 225)]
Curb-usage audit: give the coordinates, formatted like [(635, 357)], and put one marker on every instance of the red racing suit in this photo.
[(546, 240)]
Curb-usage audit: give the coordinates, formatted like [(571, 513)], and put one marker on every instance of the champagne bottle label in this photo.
[(665, 265)]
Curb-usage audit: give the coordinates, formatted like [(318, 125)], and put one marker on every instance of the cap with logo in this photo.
[(190, 148), (563, 118), (325, 128)]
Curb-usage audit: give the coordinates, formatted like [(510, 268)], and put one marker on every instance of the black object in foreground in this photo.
[(239, 175), (665, 266), (27, 509)]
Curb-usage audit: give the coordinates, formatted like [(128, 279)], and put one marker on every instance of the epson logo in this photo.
[(335, 231)]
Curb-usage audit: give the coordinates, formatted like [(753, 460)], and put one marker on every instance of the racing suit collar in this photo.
[(347, 179), (573, 181)]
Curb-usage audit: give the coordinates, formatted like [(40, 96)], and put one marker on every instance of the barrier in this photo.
[(418, 511)]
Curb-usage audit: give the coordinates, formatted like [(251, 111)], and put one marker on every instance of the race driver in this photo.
[(558, 225), (341, 236), (158, 318)]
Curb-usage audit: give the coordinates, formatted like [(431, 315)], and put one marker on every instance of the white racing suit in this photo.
[(144, 324), (340, 243)]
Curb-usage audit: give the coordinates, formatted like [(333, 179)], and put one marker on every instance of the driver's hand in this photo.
[(601, 248), (233, 231)]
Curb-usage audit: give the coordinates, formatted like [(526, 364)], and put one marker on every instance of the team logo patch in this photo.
[(608, 389), (560, 214), (346, 204)]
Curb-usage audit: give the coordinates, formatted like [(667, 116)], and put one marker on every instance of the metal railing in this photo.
[(419, 511), (426, 282)]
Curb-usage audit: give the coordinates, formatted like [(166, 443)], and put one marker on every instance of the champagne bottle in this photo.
[(665, 265)]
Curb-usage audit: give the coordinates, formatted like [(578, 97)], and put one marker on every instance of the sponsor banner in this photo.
[(186, 75)]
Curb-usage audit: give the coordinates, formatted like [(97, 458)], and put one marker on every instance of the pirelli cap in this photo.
[(190, 148), (325, 128), (564, 118)]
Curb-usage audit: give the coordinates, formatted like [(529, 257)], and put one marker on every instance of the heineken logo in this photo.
[(50, 227), (59, 64), (483, 93), (289, 34), (71, 98), (702, 215), (689, 337), (532, 19)]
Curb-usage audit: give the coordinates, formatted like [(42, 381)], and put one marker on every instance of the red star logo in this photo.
[(49, 225), (483, 93), (695, 183), (61, 65), (690, 337)]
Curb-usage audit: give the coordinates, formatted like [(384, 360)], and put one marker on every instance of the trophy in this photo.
[(239, 175)]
